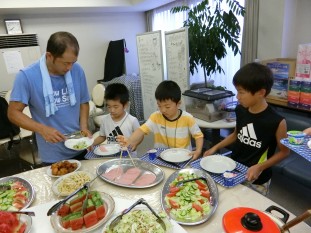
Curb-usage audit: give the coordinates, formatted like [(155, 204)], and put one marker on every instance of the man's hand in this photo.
[(52, 135)]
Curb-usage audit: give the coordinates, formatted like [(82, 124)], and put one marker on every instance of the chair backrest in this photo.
[(98, 94)]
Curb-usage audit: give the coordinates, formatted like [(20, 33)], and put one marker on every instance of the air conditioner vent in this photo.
[(21, 40)]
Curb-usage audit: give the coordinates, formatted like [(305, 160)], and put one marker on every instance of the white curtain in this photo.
[(162, 19)]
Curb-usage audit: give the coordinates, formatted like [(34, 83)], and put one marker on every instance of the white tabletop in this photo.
[(220, 124), (229, 198)]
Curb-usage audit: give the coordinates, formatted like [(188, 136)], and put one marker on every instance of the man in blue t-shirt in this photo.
[(56, 92)]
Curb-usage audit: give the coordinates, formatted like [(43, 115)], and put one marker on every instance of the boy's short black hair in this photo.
[(117, 91), (168, 90), (254, 77)]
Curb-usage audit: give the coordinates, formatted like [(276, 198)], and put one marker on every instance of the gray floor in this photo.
[(292, 196)]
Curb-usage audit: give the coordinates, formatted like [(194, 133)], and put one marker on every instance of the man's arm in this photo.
[(84, 118), (254, 171), (16, 115), (226, 142)]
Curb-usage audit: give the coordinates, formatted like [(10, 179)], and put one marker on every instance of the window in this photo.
[(163, 20)]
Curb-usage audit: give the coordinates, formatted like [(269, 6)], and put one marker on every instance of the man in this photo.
[(56, 92)]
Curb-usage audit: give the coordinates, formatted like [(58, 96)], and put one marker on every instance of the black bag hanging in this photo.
[(7, 129)]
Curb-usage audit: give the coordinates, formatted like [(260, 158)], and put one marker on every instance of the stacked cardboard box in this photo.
[(283, 70), (303, 75)]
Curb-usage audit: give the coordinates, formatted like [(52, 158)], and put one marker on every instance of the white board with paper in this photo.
[(150, 59), (177, 57)]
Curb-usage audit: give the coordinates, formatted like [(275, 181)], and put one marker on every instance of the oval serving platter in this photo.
[(211, 186), (146, 168), (26, 184)]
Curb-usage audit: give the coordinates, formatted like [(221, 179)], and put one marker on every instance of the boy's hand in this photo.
[(195, 154), (253, 173), (211, 151), (124, 142)]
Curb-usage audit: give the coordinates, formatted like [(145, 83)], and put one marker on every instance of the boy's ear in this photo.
[(127, 106), (262, 92), (179, 103)]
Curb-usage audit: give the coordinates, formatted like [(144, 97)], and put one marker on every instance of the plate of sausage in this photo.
[(123, 173)]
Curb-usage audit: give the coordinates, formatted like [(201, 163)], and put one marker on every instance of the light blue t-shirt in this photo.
[(28, 90)]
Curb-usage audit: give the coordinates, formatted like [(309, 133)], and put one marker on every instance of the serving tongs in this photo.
[(75, 135), (29, 213), (4, 187), (181, 182), (115, 221), (86, 186)]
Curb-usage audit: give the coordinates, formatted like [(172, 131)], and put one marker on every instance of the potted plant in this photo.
[(210, 28)]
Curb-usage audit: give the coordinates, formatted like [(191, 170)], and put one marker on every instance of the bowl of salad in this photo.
[(12, 222), (17, 195), (192, 202), (139, 220)]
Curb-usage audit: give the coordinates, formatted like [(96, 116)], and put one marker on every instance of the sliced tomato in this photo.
[(18, 205), (174, 189), (200, 183), (20, 195), (90, 208), (197, 207), (5, 228), (206, 194), (21, 228), (77, 199), (171, 194), (173, 204), (201, 201)]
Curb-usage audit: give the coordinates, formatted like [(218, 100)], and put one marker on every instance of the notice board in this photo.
[(150, 59), (177, 58)]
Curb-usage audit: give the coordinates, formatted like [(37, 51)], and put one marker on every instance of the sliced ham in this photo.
[(112, 174), (129, 176), (102, 148), (145, 179)]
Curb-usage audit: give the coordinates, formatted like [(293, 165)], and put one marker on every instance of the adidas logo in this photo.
[(247, 136)]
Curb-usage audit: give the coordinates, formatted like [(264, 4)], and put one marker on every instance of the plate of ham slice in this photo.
[(123, 173), (107, 149)]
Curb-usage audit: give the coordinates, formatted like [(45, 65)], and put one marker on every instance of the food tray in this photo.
[(157, 161), (211, 186), (240, 170), (302, 149), (126, 164), (27, 185)]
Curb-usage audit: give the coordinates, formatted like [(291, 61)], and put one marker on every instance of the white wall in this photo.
[(93, 31), (283, 25)]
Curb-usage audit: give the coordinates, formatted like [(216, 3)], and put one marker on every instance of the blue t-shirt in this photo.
[(28, 90)]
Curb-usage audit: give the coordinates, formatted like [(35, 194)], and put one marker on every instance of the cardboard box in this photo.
[(283, 70), (303, 65)]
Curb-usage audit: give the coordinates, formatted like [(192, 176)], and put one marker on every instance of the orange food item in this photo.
[(63, 167)]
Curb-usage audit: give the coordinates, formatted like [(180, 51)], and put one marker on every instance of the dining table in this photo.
[(229, 198), (303, 150)]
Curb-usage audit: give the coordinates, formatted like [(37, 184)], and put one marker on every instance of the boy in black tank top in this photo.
[(258, 127)]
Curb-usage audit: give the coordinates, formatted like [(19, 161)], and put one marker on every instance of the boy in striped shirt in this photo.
[(171, 126)]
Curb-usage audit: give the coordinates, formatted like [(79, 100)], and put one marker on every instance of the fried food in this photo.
[(63, 167)]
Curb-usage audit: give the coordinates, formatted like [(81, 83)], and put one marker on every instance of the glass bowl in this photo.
[(109, 205), (296, 137)]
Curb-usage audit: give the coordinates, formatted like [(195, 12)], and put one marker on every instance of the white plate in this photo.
[(60, 179), (49, 170), (111, 149), (217, 164), (176, 155), (70, 143), (122, 204)]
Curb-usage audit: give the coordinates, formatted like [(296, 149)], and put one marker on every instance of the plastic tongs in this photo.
[(140, 201), (86, 186)]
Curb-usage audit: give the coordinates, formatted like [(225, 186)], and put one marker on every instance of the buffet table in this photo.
[(228, 197)]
